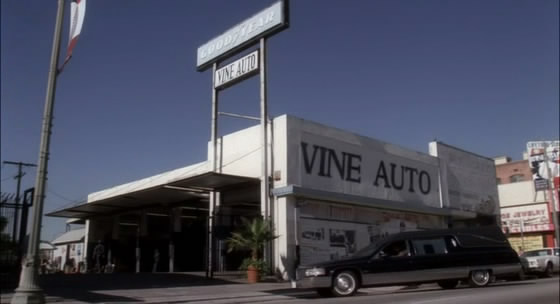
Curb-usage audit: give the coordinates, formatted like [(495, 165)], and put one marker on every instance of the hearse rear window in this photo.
[(429, 246)]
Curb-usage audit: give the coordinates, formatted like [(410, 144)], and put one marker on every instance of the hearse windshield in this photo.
[(534, 253)]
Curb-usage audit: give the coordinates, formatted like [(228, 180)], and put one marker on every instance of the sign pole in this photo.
[(235, 40), (265, 205), (28, 290), (214, 141)]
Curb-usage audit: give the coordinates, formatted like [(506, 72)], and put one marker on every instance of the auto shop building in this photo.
[(331, 193)]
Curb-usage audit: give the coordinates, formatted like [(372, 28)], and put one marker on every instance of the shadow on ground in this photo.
[(310, 293), (83, 287)]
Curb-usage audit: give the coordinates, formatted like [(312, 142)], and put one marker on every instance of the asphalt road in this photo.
[(541, 291), (194, 288)]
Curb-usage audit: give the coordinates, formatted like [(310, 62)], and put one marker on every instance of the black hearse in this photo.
[(476, 255)]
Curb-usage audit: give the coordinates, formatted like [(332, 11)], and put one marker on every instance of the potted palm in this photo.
[(252, 236)]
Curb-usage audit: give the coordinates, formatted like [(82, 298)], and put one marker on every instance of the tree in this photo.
[(7, 247), (252, 236), (4, 237)]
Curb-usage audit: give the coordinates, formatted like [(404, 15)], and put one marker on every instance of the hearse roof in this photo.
[(486, 236)]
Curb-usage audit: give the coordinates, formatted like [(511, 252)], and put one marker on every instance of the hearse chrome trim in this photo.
[(435, 274)]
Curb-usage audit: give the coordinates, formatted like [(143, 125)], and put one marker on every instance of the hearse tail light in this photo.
[(315, 272)]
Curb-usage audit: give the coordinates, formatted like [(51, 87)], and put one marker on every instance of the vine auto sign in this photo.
[(237, 71)]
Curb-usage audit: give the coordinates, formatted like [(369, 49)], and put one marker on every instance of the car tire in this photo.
[(345, 283), (448, 284), (479, 278), (324, 292), (548, 272), (521, 276)]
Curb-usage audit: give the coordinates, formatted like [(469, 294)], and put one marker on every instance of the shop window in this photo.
[(516, 178), (314, 209), (366, 215), (341, 213)]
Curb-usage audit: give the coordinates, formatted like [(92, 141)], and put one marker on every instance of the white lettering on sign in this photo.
[(380, 175), (543, 144), (237, 70), (241, 34)]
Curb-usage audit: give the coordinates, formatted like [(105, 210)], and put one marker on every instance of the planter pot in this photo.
[(252, 274)]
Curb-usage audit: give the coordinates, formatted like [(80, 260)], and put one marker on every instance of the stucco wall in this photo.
[(519, 193)]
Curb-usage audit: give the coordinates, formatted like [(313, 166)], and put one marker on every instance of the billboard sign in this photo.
[(529, 218), (468, 179), (262, 24), (322, 239), (237, 71), (543, 156)]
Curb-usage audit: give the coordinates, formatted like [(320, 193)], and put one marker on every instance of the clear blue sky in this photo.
[(481, 75)]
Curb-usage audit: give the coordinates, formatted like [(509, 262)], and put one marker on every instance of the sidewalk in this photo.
[(143, 287), (166, 288)]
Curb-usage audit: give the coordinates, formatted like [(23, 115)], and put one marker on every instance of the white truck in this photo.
[(543, 262)]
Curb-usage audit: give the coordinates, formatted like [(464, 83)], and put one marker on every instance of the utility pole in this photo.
[(28, 290), (549, 148), (16, 207)]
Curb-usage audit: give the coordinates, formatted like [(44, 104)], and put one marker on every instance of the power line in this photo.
[(62, 196)]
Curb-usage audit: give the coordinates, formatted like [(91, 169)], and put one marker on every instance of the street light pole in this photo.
[(552, 197), (28, 290)]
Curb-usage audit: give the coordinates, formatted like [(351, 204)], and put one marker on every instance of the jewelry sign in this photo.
[(237, 71)]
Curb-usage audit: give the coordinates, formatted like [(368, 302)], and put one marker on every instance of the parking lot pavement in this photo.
[(143, 287)]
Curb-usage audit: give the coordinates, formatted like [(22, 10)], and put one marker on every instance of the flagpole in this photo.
[(28, 290)]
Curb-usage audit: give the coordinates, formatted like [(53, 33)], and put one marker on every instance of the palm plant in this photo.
[(252, 236)]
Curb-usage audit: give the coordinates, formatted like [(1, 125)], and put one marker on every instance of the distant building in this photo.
[(46, 251), (69, 249), (526, 214), (332, 192)]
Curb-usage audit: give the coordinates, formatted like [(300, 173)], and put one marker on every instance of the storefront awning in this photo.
[(369, 202), (212, 181), (192, 189)]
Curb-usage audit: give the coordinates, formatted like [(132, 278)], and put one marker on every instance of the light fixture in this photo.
[(184, 189)]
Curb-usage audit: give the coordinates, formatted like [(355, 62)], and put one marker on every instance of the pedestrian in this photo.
[(44, 265), (98, 253), (156, 260)]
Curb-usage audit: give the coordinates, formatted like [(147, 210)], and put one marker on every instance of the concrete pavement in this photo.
[(164, 288)]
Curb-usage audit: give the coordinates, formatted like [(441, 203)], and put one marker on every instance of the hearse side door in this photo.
[(434, 260), (391, 265)]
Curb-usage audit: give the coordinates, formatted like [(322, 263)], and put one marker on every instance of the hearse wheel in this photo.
[(345, 283), (448, 284), (479, 278)]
